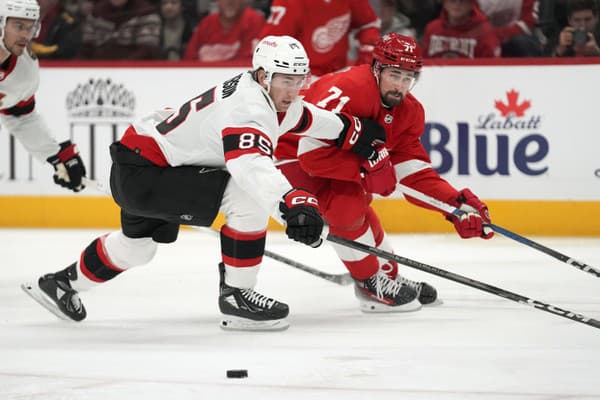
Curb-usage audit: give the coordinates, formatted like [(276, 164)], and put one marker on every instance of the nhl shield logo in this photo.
[(388, 119)]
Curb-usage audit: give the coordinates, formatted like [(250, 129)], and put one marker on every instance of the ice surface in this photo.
[(153, 332)]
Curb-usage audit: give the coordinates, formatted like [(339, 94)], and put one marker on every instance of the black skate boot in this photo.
[(245, 309), (426, 293), (379, 293), (54, 292)]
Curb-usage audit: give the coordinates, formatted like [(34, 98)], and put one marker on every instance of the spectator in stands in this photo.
[(121, 30), (262, 6), (230, 34), (49, 11), (86, 7), (176, 30), (461, 31), (514, 23), (63, 39), (420, 13), (323, 28), (392, 20), (582, 34)]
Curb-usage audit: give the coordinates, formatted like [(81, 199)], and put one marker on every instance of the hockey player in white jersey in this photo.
[(19, 80), (214, 154)]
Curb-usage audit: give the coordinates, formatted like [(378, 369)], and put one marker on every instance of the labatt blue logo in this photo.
[(510, 132)]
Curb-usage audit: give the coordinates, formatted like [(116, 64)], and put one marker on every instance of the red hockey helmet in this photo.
[(395, 50)]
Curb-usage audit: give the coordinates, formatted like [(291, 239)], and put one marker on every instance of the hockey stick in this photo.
[(340, 279), (464, 280), (503, 231)]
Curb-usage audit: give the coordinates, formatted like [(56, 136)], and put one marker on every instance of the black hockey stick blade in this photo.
[(465, 281)]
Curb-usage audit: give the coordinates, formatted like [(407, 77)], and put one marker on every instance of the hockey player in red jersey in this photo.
[(19, 80), (213, 154), (343, 183), (323, 26)]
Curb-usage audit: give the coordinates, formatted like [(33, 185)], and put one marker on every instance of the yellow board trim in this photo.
[(553, 218)]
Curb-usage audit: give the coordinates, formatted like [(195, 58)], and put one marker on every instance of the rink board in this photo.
[(526, 217), (490, 127)]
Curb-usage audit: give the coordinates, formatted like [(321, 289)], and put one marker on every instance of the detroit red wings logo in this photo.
[(512, 106), (326, 36)]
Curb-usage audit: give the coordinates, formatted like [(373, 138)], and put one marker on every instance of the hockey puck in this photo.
[(237, 373)]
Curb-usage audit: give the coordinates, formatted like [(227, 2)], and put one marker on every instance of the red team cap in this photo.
[(394, 50)]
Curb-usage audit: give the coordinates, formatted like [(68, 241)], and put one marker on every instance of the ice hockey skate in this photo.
[(54, 292), (380, 294), (426, 294), (248, 310)]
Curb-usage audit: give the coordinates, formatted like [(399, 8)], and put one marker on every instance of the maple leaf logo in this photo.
[(512, 107)]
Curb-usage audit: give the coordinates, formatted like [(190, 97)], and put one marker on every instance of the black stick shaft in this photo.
[(340, 279), (465, 281), (546, 250), (503, 231)]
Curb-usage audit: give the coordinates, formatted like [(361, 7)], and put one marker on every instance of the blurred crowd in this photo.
[(227, 30)]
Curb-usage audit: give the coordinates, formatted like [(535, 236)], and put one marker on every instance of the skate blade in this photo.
[(232, 323), (369, 307), (34, 291)]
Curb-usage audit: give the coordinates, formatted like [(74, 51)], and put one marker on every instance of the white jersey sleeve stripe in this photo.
[(410, 167)]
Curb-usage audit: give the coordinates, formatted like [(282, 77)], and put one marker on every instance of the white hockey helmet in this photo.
[(280, 54), (27, 9)]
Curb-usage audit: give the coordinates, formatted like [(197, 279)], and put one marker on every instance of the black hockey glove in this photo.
[(68, 167), (361, 136), (300, 210)]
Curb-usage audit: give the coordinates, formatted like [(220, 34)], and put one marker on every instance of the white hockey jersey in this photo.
[(233, 126), (19, 80)]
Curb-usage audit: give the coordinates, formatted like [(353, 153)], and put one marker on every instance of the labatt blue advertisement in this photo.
[(514, 132)]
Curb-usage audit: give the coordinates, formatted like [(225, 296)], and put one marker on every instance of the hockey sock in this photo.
[(94, 266), (361, 266), (382, 242), (108, 256), (242, 254)]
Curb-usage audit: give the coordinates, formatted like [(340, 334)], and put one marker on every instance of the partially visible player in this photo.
[(19, 80), (323, 27), (213, 154), (343, 183)]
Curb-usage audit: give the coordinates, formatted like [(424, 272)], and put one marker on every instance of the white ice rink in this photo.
[(153, 332)]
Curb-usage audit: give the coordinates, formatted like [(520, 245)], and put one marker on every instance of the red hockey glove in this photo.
[(470, 223), (360, 135), (300, 210), (379, 175), (68, 167)]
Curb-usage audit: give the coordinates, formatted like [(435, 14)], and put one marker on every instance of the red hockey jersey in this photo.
[(212, 43), (474, 39), (355, 91), (323, 26)]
